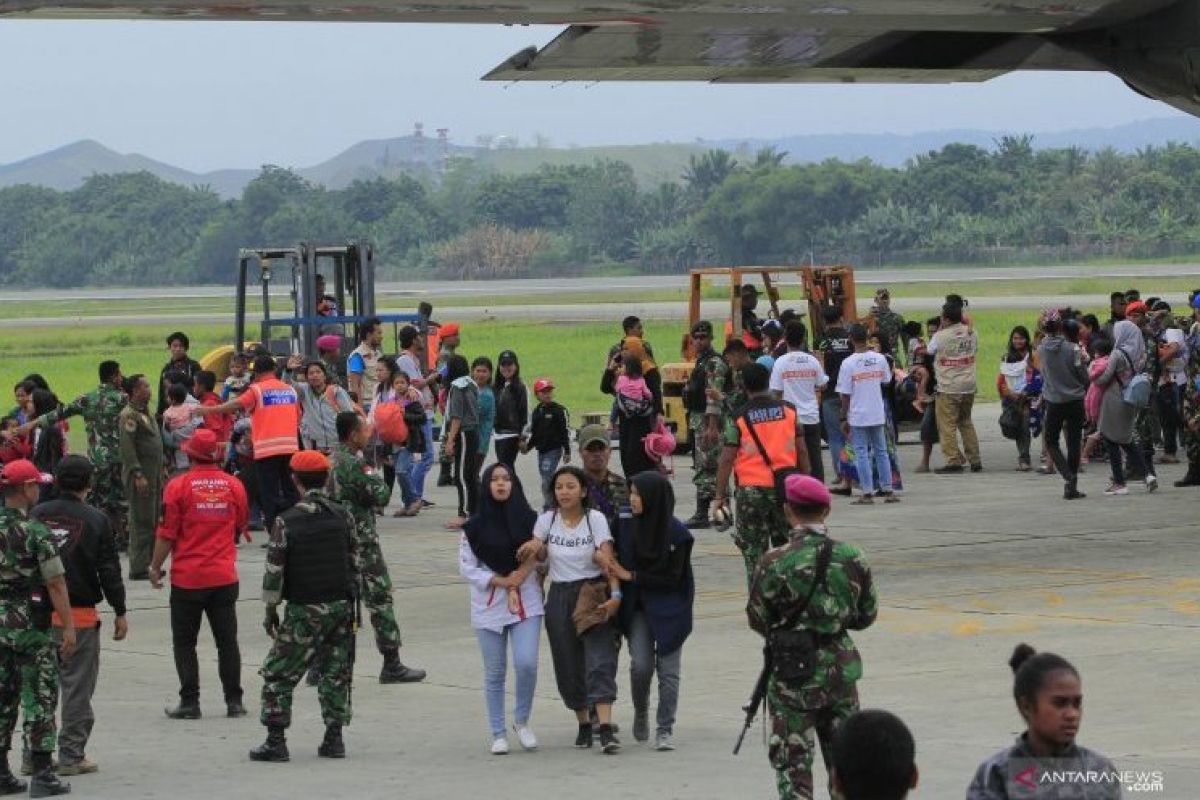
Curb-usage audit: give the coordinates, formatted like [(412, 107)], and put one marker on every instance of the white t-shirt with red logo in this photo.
[(798, 375), (863, 376)]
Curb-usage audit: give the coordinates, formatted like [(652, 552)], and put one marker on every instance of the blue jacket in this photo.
[(666, 599)]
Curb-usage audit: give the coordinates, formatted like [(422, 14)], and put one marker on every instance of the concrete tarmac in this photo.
[(967, 566)]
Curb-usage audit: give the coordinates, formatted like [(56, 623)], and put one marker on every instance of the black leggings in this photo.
[(1133, 452), (467, 461), (507, 451)]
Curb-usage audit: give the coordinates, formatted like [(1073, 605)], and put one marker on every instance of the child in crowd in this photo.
[(1102, 348), (549, 434), (409, 397), (178, 425), (634, 398), (204, 389), (13, 447), (238, 378)]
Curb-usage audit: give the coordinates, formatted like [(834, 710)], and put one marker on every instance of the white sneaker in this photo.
[(1115, 489), (525, 735), (1151, 483), (663, 743), (500, 746)]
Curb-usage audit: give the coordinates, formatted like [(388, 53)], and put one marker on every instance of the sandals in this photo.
[(865, 500)]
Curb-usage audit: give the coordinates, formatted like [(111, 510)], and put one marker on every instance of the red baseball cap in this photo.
[(448, 330), (1135, 307), (542, 384), (23, 471)]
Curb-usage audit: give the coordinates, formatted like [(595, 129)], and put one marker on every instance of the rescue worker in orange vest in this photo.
[(274, 411), (765, 438), (751, 325)]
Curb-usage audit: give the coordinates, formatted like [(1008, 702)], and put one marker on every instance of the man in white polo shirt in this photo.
[(860, 384), (797, 378)]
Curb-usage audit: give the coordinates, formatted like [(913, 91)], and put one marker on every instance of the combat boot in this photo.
[(332, 746), (395, 672), (1191, 478), (9, 783), (699, 520), (274, 748), (44, 782)]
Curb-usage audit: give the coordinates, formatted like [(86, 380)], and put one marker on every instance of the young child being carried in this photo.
[(634, 398), (1102, 348)]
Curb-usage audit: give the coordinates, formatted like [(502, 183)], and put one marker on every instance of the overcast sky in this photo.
[(210, 95)]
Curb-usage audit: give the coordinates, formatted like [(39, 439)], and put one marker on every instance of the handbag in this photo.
[(1011, 421), (794, 652), (588, 612)]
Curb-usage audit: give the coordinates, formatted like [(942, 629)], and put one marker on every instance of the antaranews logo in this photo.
[(1052, 779)]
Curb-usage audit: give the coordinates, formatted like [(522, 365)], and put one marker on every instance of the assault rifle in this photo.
[(757, 699)]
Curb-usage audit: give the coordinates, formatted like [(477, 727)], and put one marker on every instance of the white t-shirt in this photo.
[(1175, 369), (863, 376), (798, 375), (570, 550)]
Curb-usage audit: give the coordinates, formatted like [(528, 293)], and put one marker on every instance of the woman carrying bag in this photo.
[(656, 609), (506, 599), (581, 604)]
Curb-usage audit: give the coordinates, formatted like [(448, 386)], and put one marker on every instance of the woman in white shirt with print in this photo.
[(576, 543)]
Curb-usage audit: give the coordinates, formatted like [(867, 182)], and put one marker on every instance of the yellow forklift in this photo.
[(345, 301), (817, 288)]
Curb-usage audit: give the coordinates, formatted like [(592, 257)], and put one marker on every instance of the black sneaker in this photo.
[(183, 711), (583, 739), (234, 709), (949, 469), (608, 742)]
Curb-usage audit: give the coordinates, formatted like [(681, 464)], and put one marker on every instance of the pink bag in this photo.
[(659, 443)]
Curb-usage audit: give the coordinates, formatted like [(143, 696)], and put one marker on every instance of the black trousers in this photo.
[(1168, 416), (467, 462), (188, 607), (277, 493), (1066, 418), (507, 451), (812, 443)]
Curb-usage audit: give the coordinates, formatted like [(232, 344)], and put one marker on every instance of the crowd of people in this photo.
[(312, 450)]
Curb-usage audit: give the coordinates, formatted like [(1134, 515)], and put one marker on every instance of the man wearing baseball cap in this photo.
[(607, 491), (888, 323), (84, 537), (310, 564), (204, 510), (703, 397), (805, 618), (31, 585)]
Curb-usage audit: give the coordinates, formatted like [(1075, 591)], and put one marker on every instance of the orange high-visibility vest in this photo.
[(275, 420), (775, 425), (433, 343)]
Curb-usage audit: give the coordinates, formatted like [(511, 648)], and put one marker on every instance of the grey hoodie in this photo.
[(1064, 376)]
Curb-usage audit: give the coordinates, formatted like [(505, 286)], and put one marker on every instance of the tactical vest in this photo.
[(775, 425), (318, 555)]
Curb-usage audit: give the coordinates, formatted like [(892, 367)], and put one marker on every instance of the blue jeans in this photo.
[(831, 416), (404, 466), (418, 470), (547, 465), (871, 442), (525, 636)]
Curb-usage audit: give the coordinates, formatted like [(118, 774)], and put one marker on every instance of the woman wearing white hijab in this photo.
[(1116, 416)]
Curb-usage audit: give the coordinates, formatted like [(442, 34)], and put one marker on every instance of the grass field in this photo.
[(572, 355)]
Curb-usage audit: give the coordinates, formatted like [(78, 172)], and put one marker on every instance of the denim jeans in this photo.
[(831, 416), (524, 637), (547, 465), (403, 471), (421, 467), (644, 661), (870, 443)]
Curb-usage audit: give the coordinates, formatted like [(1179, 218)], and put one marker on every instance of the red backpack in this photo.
[(389, 423)]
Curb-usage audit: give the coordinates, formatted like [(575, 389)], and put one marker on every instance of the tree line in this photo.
[(960, 204)]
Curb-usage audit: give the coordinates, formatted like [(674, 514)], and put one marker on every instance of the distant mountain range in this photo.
[(67, 167)]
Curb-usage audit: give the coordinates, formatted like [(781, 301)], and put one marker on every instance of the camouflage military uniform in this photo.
[(845, 602), (890, 325), (1146, 426), (608, 496), (320, 634), (141, 451), (101, 410), (1190, 414), (704, 459), (28, 658), (361, 491)]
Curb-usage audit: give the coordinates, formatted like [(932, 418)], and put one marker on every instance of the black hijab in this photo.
[(652, 528), (497, 529)]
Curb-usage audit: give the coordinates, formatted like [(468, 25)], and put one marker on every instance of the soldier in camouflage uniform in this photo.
[(101, 409), (31, 583), (1147, 424), (759, 523), (844, 600), (310, 562), (141, 451), (608, 492), (1190, 413), (888, 323), (705, 392), (361, 490)]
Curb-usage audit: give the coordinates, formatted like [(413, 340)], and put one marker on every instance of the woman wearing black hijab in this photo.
[(655, 551), (506, 599)]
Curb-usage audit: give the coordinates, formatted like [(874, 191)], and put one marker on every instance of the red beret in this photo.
[(806, 490)]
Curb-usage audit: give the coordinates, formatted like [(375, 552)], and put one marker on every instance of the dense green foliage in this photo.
[(960, 204)]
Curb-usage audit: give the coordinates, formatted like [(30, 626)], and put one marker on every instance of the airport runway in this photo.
[(966, 566)]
